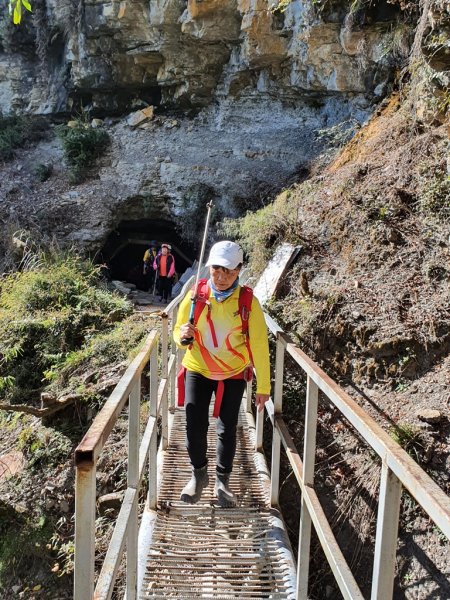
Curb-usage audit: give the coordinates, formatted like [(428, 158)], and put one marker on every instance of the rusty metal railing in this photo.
[(398, 470), (86, 458), (142, 453)]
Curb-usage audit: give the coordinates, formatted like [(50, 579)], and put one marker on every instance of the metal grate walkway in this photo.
[(204, 551)]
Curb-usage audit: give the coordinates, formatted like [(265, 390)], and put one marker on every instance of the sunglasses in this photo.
[(223, 269)]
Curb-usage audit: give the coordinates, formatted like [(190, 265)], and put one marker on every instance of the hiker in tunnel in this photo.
[(229, 340), (148, 271), (164, 266)]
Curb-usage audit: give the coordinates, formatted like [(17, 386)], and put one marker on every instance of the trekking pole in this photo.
[(209, 206)]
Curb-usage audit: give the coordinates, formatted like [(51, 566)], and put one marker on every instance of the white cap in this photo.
[(225, 254)]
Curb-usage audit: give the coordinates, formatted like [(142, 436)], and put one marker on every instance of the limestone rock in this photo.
[(110, 502), (96, 123), (192, 53), (429, 415), (48, 399), (140, 116), (118, 285)]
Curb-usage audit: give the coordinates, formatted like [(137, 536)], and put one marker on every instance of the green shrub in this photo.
[(46, 315), (43, 172), (16, 132), (43, 446), (409, 438), (258, 232), (23, 549), (82, 144), (435, 197)]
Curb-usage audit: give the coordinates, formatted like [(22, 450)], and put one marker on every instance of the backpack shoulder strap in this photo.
[(202, 295), (245, 306)]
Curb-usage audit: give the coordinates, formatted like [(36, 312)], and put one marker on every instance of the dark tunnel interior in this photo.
[(124, 249)]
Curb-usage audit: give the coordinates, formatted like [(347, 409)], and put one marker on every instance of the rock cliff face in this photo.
[(240, 90), (180, 53)]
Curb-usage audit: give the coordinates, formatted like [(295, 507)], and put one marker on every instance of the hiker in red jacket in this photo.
[(164, 265), (229, 341)]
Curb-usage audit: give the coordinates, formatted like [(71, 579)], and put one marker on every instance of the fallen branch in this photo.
[(42, 412), (55, 405)]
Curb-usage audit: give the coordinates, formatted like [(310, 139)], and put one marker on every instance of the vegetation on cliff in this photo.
[(52, 318)]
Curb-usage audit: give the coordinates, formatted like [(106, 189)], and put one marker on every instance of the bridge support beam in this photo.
[(85, 488), (134, 405), (309, 455), (278, 409), (386, 538), (153, 412)]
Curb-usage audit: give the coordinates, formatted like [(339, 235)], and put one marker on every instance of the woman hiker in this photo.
[(229, 338), (164, 265)]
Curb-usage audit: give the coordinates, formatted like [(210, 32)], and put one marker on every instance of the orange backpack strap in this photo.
[(180, 385), (245, 306), (201, 298)]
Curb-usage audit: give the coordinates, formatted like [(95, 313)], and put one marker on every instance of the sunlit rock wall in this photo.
[(191, 54)]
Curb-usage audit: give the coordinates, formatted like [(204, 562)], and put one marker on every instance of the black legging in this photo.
[(199, 390), (165, 287)]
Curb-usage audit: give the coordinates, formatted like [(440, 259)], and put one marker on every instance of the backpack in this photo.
[(245, 304)]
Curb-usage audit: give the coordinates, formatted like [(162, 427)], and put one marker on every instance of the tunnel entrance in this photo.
[(124, 249)]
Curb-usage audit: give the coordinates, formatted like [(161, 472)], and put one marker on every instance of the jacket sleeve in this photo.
[(155, 263), (182, 318), (172, 268), (259, 345)]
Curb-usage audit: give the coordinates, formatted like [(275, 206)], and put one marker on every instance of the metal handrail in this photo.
[(398, 469), (86, 458), (141, 452)]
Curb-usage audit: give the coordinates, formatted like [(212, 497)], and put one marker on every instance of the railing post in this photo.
[(248, 396), (134, 403), (85, 496), (309, 455), (174, 353), (259, 430), (277, 407), (164, 373), (153, 447), (386, 537)]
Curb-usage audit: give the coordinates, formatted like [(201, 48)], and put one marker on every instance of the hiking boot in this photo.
[(225, 496), (193, 490)]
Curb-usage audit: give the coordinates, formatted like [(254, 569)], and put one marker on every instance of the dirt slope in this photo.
[(369, 298)]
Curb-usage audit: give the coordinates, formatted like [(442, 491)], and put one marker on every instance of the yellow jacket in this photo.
[(231, 355), (149, 256)]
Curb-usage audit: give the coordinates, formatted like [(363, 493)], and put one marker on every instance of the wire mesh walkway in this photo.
[(204, 551)]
